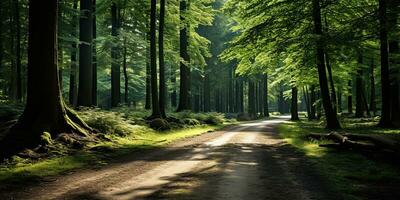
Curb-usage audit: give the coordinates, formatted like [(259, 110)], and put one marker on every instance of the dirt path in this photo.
[(248, 162)]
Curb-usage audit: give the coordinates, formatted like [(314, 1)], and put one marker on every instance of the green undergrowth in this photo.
[(352, 174), (120, 132)]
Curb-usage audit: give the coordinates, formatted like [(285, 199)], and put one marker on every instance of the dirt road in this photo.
[(248, 162)]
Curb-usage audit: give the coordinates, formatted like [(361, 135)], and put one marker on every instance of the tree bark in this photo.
[(94, 83), (148, 76), (330, 114), (126, 78), (115, 67), (312, 104), (266, 103), (350, 98), (385, 121), (252, 100), (153, 62), (45, 110), (85, 94), (360, 106), (73, 89), (162, 85), (184, 103), (372, 104), (18, 52), (294, 108)]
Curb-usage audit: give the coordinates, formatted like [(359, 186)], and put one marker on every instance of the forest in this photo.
[(197, 99)]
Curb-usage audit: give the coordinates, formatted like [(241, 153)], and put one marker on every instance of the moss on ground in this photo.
[(352, 174)]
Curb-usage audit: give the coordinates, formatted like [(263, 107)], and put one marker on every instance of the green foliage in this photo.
[(344, 170)]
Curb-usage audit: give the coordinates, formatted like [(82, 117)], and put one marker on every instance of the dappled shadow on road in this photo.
[(236, 171)]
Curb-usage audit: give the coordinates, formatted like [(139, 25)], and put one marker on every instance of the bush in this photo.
[(191, 122), (214, 118), (108, 122)]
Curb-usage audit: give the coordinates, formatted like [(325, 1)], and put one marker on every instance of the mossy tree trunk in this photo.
[(45, 109)]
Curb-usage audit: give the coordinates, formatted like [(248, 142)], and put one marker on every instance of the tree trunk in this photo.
[(312, 104), (394, 50), (115, 67), (372, 104), (252, 100), (350, 99), (126, 78), (153, 62), (294, 108), (207, 92), (73, 89), (329, 68), (18, 52), (330, 114), (184, 103), (385, 121), (85, 94), (45, 110), (230, 91), (360, 106), (162, 86), (148, 76), (266, 104), (94, 83), (173, 83)]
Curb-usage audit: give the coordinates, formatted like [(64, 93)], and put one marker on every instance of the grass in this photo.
[(124, 131), (352, 174)]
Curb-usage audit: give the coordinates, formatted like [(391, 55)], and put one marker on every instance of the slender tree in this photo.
[(115, 67), (94, 83), (294, 108), (162, 85), (385, 82), (331, 117), (153, 61), (184, 103), (18, 94), (85, 94), (73, 89)]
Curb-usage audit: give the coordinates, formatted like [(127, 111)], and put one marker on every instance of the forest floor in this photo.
[(247, 161)]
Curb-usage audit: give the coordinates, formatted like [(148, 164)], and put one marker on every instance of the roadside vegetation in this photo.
[(355, 174), (119, 132)]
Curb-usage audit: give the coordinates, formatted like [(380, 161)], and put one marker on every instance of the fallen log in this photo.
[(358, 141)]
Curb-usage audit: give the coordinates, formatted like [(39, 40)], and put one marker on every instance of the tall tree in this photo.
[(294, 108), (184, 103), (266, 98), (162, 85), (252, 99), (45, 110), (115, 67), (85, 94), (153, 61), (94, 84), (73, 89), (385, 82), (331, 117), (18, 95)]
